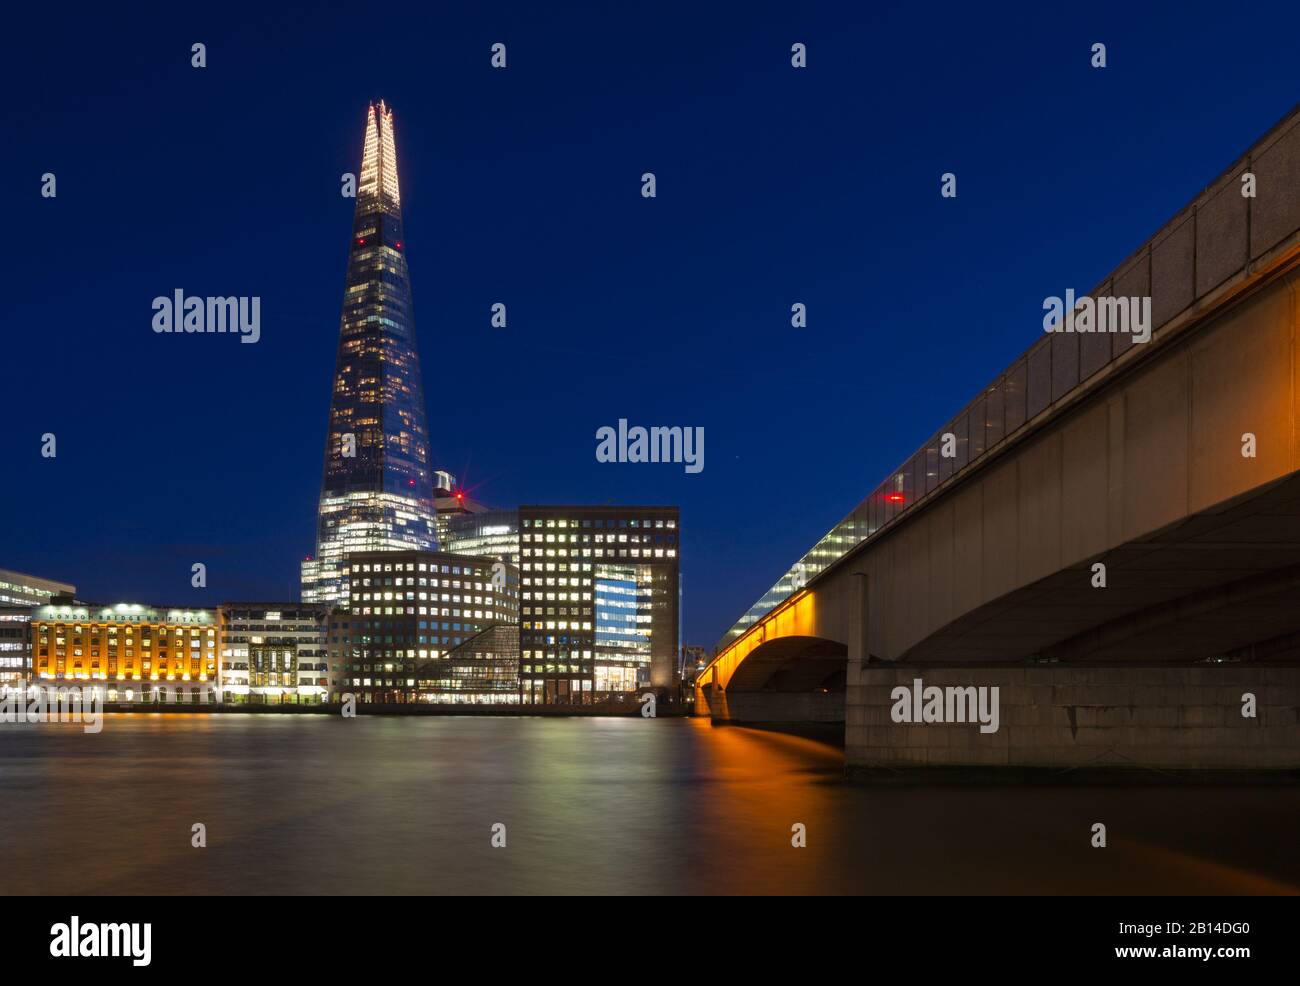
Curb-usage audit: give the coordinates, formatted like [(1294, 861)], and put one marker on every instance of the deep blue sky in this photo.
[(522, 186)]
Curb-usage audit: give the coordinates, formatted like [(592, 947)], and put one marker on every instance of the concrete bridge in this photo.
[(1109, 534)]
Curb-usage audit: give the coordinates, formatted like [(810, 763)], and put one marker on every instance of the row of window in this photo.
[(414, 567), (599, 538), (367, 597), (366, 583), (61, 629), (78, 672), (478, 614), (642, 553), (129, 652), (598, 522)]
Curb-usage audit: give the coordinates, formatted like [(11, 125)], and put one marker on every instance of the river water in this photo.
[(307, 804)]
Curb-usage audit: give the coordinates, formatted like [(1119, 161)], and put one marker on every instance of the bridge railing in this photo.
[(1222, 235)]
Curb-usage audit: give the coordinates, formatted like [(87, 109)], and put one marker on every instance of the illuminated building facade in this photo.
[(486, 534), (410, 610), (19, 593), (622, 630), (274, 653), (15, 645), (598, 602), (377, 491), (136, 653), (17, 589)]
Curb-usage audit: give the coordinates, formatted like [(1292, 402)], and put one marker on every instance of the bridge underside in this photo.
[(791, 664), (1186, 664), (1222, 583)]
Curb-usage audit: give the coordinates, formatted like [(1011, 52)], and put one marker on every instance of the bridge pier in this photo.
[(1185, 722)]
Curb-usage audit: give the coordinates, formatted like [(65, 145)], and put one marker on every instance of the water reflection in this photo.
[(318, 805)]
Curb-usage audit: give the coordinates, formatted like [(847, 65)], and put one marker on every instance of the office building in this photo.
[(598, 602), (411, 609), (17, 589), (485, 534), (19, 593), (15, 645), (274, 653)]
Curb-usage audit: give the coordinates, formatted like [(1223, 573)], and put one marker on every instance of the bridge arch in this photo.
[(791, 664)]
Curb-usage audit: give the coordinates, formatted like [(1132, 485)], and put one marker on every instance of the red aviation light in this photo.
[(894, 497)]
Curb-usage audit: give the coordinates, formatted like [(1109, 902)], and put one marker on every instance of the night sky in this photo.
[(522, 186)]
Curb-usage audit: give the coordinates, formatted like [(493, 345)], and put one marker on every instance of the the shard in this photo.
[(377, 492)]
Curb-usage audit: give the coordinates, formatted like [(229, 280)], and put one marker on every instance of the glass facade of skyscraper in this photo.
[(377, 492)]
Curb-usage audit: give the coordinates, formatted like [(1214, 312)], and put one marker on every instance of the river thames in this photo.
[(314, 804)]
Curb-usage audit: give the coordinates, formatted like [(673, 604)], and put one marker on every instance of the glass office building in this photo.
[(489, 534), (19, 593), (484, 670), (17, 589), (377, 492), (598, 602)]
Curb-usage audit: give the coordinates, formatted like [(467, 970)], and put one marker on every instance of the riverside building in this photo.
[(598, 602), (274, 653), (19, 593), (409, 612), (136, 653)]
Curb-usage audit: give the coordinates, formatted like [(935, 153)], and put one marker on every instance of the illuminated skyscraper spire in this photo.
[(377, 493), (379, 157)]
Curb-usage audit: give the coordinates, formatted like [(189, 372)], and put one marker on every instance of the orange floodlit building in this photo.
[(135, 653)]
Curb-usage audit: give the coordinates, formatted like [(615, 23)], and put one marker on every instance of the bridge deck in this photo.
[(1212, 250)]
